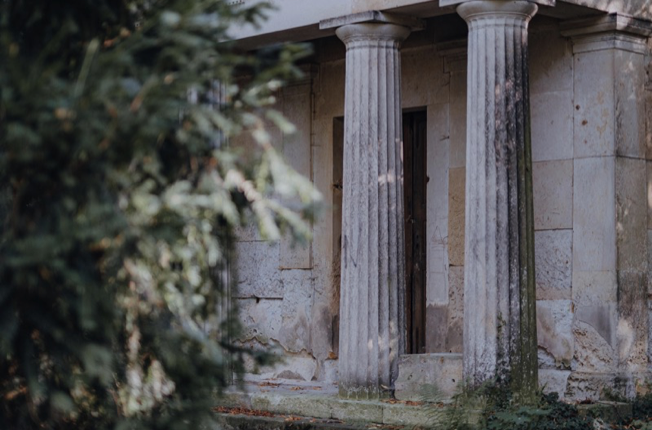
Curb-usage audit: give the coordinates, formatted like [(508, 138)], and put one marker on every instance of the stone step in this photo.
[(246, 422), (322, 402), (429, 377)]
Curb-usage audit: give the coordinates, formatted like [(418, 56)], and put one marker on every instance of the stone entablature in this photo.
[(297, 20)]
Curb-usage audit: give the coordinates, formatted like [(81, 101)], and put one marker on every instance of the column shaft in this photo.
[(499, 285), (373, 254)]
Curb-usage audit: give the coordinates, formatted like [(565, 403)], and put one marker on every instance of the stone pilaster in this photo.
[(373, 254), (499, 284), (297, 99), (610, 207)]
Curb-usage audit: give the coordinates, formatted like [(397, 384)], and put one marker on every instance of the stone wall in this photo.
[(287, 305), (551, 101)]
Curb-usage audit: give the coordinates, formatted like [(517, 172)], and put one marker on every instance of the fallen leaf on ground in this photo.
[(243, 411), (402, 402), (390, 401), (293, 418)]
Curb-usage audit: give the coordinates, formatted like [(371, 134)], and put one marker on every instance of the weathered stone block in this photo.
[(308, 406), (648, 123), (458, 120), (324, 330), (331, 99), (594, 287), (406, 415), (445, 318), (554, 333), (261, 319), (649, 262), (594, 214), (631, 213), (299, 367), (437, 288), (582, 385), (436, 327), (455, 323), (648, 170), (551, 61), (553, 254), (327, 371), (456, 186), (552, 126), (417, 91), (417, 371), (248, 232), (437, 205), (257, 270), (632, 330), (594, 333), (593, 123), (554, 381), (553, 194), (294, 334), (358, 411), (630, 104)]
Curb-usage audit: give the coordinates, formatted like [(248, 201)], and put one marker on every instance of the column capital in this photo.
[(444, 3), (520, 9), (367, 31)]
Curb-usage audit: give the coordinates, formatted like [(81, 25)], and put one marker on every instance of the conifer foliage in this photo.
[(119, 196)]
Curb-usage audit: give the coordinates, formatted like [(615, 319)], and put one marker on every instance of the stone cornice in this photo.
[(373, 16), (607, 23)]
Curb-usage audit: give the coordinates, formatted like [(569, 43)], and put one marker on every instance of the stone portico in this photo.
[(536, 199)]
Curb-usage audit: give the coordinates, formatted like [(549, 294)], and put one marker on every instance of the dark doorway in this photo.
[(416, 179)]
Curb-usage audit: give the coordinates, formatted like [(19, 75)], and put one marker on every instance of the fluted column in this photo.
[(499, 286), (373, 254)]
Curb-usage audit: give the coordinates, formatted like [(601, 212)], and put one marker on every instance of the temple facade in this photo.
[(487, 170)]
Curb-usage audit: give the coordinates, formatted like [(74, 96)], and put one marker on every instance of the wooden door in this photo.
[(415, 180)]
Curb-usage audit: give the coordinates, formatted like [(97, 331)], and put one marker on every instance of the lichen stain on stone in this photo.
[(554, 343), (592, 352), (597, 317)]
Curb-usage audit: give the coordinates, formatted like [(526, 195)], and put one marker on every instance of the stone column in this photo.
[(373, 254), (499, 285)]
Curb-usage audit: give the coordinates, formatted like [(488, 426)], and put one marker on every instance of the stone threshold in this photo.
[(422, 375), (321, 401)]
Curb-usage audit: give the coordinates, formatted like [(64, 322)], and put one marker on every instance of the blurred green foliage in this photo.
[(119, 197)]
